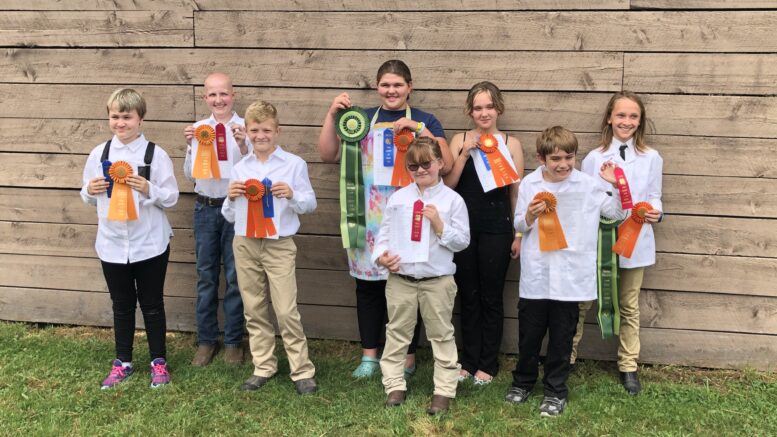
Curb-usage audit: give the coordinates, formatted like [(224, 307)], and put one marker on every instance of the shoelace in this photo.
[(117, 372), (159, 369), (553, 403)]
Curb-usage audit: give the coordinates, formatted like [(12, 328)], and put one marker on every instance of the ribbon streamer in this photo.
[(400, 177), (352, 126), (551, 234), (503, 172), (608, 314), (122, 205), (107, 166), (418, 217), (206, 165), (259, 225), (221, 142), (623, 188), (628, 231)]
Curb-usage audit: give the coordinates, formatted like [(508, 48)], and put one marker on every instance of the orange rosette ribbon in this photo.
[(206, 163), (400, 177), (503, 172), (122, 205), (551, 234), (258, 226), (628, 231)]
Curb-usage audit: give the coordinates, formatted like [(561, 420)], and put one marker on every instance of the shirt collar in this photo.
[(431, 191), (615, 144), (278, 153), (133, 145), (212, 119)]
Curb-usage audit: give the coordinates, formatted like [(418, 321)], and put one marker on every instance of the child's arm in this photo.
[(524, 220), (162, 190), (236, 189), (380, 253), (516, 152), (188, 134), (92, 185), (610, 205), (302, 198), (328, 143), (455, 234), (460, 147), (654, 190)]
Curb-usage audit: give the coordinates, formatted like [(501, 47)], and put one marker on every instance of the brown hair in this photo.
[(261, 111), (127, 100), (493, 92), (423, 149), (556, 138), (395, 66), (639, 135)]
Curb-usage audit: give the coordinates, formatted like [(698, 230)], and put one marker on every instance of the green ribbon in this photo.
[(352, 125), (608, 314)]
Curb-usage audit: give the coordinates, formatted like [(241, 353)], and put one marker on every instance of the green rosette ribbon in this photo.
[(352, 125), (608, 314)]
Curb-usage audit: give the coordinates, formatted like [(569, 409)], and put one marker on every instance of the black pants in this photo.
[(480, 278), (559, 319), (128, 284), (371, 312)]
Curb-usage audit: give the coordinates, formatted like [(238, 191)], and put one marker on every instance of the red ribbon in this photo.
[(623, 188), (221, 142), (418, 217)]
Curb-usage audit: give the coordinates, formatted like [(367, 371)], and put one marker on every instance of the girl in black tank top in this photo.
[(481, 268)]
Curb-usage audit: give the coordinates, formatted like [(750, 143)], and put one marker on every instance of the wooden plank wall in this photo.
[(707, 70)]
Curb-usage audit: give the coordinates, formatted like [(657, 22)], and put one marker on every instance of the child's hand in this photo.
[(138, 183), (536, 207), (430, 212), (342, 101), (97, 185), (607, 172), (236, 189), (469, 144), (515, 248), (653, 216), (188, 133), (405, 123), (282, 190), (391, 262), (240, 137)]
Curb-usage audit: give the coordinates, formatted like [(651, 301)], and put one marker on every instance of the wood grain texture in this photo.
[(162, 28), (98, 5), (680, 73), (407, 5), (564, 71), (699, 31), (166, 103), (702, 4)]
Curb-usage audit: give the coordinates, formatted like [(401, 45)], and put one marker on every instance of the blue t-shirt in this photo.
[(431, 122)]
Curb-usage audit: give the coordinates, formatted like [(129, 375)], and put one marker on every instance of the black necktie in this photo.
[(623, 151)]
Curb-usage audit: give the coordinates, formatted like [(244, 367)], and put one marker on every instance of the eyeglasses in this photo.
[(423, 165)]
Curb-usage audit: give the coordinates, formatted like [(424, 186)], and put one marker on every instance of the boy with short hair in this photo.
[(213, 235), (267, 191), (556, 200)]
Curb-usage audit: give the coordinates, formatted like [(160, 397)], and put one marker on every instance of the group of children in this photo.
[(422, 222)]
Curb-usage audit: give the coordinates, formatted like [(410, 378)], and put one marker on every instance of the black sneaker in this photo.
[(517, 395), (552, 406)]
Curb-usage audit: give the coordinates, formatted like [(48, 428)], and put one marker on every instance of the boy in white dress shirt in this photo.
[(212, 234), (426, 285), (277, 183), (554, 281)]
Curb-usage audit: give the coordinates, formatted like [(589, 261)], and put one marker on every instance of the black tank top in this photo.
[(490, 212)]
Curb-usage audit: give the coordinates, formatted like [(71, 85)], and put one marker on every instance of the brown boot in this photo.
[(233, 355), (439, 405), (204, 355), (395, 398)]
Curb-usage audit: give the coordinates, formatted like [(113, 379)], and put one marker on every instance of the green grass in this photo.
[(49, 385)]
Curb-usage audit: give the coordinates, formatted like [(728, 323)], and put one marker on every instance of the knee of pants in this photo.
[(153, 310), (629, 312), (124, 309)]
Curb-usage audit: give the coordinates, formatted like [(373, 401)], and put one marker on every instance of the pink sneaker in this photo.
[(159, 373), (118, 374)]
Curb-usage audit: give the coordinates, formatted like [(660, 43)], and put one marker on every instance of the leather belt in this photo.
[(415, 280), (214, 202)]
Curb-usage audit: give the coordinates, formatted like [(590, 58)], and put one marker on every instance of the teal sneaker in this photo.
[(368, 368)]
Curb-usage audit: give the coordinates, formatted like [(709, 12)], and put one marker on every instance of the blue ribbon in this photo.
[(485, 160), (107, 166), (388, 147), (267, 202)]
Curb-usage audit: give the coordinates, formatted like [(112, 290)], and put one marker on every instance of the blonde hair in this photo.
[(489, 88), (261, 111), (423, 149), (556, 138), (127, 100), (639, 135)]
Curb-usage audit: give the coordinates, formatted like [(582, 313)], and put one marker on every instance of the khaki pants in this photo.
[(584, 307), (435, 298), (269, 265), (628, 299)]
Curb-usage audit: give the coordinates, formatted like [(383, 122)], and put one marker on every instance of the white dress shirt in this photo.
[(567, 274), (148, 236), (644, 175), (455, 234), (281, 166), (215, 187)]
